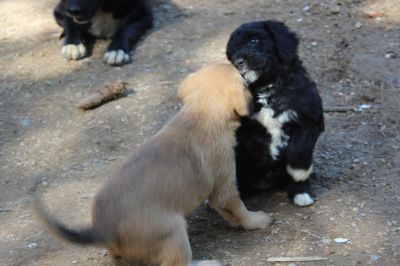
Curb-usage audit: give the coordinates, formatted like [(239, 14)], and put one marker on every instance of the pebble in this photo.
[(32, 245), (358, 25), (335, 9), (341, 240), (25, 122)]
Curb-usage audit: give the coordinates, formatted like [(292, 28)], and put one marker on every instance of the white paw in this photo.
[(116, 57), (257, 220), (206, 263), (73, 51), (303, 200)]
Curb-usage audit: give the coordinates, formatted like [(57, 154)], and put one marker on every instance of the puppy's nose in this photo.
[(239, 62), (74, 10)]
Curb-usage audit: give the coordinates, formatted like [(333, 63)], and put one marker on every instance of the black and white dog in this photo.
[(275, 146), (125, 21)]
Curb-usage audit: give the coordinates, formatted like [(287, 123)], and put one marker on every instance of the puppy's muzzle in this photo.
[(241, 65)]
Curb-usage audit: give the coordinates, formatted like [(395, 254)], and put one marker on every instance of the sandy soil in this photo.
[(66, 154)]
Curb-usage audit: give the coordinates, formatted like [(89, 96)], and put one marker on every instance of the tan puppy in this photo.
[(139, 214)]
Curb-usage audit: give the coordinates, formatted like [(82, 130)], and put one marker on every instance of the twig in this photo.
[(339, 109), (292, 259), (4, 210)]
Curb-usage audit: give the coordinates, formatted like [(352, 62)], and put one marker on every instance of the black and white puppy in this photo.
[(275, 146), (124, 21)]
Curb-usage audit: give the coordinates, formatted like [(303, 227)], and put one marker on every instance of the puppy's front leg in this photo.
[(228, 203), (299, 156), (73, 48), (118, 53)]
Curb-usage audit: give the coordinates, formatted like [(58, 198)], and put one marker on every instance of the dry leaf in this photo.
[(371, 13), (104, 94)]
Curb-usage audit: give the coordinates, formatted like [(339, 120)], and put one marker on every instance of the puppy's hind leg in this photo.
[(174, 249), (227, 202)]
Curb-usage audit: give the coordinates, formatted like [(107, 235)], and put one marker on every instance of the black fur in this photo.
[(76, 17), (265, 53)]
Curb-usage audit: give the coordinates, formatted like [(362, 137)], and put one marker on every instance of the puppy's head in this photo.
[(81, 11), (216, 91), (260, 50)]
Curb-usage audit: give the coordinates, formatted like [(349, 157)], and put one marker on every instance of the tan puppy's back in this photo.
[(177, 167)]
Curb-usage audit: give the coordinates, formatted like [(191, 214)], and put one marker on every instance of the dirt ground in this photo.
[(47, 145)]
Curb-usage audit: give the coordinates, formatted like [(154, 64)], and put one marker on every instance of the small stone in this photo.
[(32, 245), (25, 122), (74, 262), (314, 43), (358, 25), (335, 9), (341, 240)]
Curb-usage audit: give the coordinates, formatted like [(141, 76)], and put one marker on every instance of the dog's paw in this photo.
[(74, 51), (116, 57), (206, 263), (303, 200), (257, 220)]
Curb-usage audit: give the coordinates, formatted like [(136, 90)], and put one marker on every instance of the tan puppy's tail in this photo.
[(85, 236)]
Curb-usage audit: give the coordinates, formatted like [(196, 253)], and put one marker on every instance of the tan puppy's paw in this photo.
[(73, 51), (257, 220), (206, 263)]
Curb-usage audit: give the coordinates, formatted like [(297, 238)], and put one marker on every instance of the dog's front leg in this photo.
[(73, 48), (299, 166), (229, 205), (128, 34)]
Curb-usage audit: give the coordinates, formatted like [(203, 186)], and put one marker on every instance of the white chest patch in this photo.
[(274, 126), (104, 25)]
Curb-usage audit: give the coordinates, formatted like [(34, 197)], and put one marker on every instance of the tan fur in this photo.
[(140, 212)]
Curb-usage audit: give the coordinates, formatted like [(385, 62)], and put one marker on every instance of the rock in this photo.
[(32, 245), (341, 240), (358, 25), (335, 9), (25, 122)]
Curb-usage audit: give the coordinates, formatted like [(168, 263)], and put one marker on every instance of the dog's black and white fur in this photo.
[(124, 21), (275, 146)]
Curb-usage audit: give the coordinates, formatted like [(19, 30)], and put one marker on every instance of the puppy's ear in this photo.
[(286, 42), (242, 102)]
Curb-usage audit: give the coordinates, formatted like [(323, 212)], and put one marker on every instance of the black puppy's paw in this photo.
[(74, 51), (116, 57), (303, 200)]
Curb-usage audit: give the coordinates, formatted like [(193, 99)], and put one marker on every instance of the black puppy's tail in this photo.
[(84, 236)]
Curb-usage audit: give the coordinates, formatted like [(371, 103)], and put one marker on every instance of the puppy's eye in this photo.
[(253, 41)]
